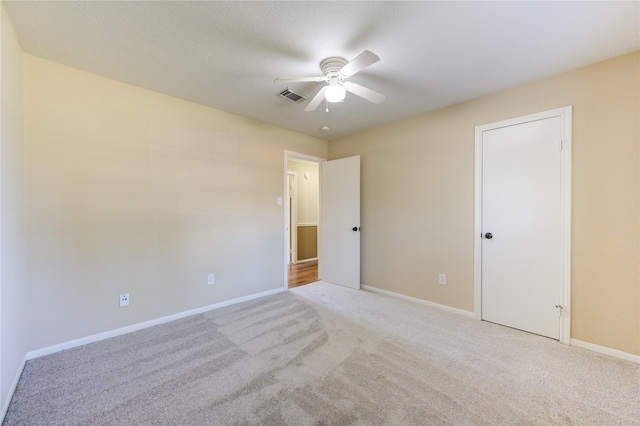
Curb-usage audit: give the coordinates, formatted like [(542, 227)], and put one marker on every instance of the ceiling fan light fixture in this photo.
[(335, 93)]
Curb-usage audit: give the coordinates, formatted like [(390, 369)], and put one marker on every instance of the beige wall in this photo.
[(131, 191), (12, 318), (418, 189), (307, 190)]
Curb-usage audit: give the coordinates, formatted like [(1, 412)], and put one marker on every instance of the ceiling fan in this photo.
[(335, 71)]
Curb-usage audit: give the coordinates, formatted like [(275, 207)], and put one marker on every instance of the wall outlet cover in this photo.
[(442, 279), (124, 300)]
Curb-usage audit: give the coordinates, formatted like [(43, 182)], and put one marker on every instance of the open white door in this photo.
[(340, 221)]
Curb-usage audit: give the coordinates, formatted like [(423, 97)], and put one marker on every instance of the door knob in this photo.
[(355, 229), (488, 235)]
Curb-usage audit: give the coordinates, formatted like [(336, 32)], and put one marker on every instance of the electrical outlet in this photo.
[(124, 300), (442, 279), (211, 279)]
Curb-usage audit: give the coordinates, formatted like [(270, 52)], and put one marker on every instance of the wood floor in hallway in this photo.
[(303, 273)]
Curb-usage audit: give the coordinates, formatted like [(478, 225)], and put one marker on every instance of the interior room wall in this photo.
[(418, 197), (307, 206), (12, 317), (131, 191), (307, 210)]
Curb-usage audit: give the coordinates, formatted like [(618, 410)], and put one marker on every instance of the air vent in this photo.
[(288, 93)]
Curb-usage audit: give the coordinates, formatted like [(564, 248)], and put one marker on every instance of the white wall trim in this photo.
[(311, 259), (565, 114), (291, 215), (142, 325), (606, 351), (420, 301), (12, 389), (307, 224)]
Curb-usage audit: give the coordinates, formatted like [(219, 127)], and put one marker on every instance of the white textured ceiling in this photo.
[(226, 54)]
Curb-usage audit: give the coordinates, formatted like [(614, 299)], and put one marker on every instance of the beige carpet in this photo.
[(322, 354)]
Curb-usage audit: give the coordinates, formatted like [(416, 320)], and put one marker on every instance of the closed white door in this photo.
[(340, 221), (521, 226)]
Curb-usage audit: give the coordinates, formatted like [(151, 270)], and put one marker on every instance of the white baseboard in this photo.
[(311, 259), (142, 325), (421, 301), (606, 351), (12, 389)]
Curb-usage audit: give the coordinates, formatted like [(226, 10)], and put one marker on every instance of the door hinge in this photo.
[(560, 308), (561, 145)]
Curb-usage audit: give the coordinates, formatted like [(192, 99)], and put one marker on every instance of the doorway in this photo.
[(302, 222), (523, 223), (338, 232)]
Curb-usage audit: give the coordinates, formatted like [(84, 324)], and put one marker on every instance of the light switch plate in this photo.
[(442, 279)]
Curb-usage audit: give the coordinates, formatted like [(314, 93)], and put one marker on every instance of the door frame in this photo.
[(292, 155), (292, 216), (565, 115)]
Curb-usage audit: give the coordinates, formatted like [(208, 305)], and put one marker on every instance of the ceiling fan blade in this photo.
[(360, 62), (317, 99), (297, 79), (363, 92)]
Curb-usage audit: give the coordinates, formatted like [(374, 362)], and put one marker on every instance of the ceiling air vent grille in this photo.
[(288, 93)]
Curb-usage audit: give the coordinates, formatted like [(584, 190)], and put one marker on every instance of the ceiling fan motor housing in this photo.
[(331, 67)]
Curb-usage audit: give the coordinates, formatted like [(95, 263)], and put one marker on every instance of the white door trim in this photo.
[(292, 206), (296, 156), (565, 210)]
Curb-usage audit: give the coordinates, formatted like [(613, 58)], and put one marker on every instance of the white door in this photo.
[(521, 226), (340, 221)]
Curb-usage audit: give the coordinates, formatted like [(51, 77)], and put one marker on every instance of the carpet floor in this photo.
[(326, 355)]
